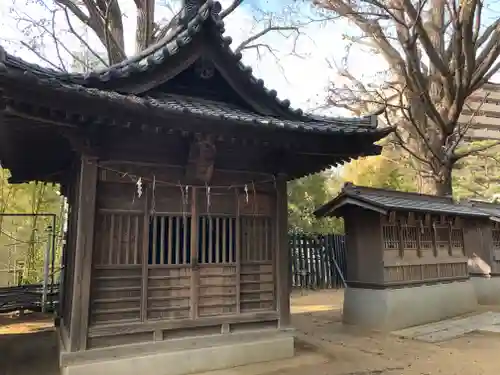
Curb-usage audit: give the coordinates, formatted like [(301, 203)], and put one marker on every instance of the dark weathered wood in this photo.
[(119, 329), (282, 253), (83, 258), (202, 151)]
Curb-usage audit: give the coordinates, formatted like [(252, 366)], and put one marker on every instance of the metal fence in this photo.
[(318, 261), (27, 297)]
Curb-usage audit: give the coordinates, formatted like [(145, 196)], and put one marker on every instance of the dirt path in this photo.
[(324, 347), (358, 353)]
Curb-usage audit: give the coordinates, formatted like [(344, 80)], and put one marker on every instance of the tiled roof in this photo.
[(395, 200), (188, 23), (177, 104), (493, 209)]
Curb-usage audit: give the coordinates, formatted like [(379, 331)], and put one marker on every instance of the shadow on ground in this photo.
[(324, 346), (28, 346)]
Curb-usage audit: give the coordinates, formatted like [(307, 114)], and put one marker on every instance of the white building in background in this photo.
[(485, 124)]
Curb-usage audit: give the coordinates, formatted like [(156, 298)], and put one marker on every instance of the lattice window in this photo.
[(256, 238), (425, 232), (390, 234), (169, 240), (496, 238), (217, 239), (457, 238), (410, 235), (118, 239), (442, 238)]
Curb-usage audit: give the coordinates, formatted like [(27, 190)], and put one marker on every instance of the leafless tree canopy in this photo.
[(106, 20), (438, 53)]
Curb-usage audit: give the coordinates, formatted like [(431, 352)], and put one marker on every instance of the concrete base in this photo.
[(186, 361), (392, 309), (487, 289)]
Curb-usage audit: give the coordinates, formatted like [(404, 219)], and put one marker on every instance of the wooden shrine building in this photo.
[(175, 164), (406, 256), (483, 241)]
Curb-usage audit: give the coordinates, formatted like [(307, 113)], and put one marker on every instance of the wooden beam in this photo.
[(282, 255), (201, 159), (83, 257)]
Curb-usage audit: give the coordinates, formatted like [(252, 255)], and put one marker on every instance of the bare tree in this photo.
[(105, 19), (438, 53)]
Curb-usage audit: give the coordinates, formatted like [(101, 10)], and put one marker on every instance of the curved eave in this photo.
[(73, 98)]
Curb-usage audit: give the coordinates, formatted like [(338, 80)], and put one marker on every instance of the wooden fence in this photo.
[(318, 261)]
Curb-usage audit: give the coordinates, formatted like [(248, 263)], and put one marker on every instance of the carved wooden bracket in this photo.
[(81, 142), (201, 159)]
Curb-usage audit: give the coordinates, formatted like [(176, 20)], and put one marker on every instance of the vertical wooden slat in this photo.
[(136, 240), (204, 252), (217, 241), (210, 240), (247, 225), (129, 237), (195, 282), (231, 245), (317, 256), (111, 238), (178, 236), (225, 254), (154, 244), (103, 252), (162, 241), (145, 254), (266, 239), (307, 263), (282, 264), (237, 244), (120, 246), (186, 230), (261, 236), (170, 247), (291, 241)]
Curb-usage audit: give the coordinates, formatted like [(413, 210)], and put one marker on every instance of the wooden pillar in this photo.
[(86, 202), (282, 253)]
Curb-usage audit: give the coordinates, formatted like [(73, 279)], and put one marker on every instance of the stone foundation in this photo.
[(173, 357), (392, 309), (487, 289)]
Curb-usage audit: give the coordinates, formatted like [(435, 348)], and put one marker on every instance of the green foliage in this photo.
[(385, 171), (23, 239), (304, 196), (478, 175)]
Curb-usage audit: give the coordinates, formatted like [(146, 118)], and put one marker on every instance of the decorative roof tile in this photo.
[(386, 200)]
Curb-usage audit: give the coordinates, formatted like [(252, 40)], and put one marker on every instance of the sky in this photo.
[(302, 77)]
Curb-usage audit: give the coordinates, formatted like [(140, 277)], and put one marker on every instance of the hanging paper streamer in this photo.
[(139, 187), (186, 196), (246, 193), (208, 198)]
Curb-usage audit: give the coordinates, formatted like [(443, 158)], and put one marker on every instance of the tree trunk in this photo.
[(440, 185)]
